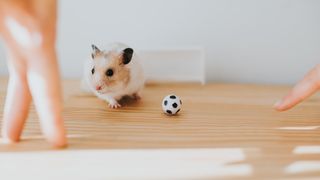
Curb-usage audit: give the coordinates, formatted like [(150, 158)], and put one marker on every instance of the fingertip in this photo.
[(56, 136), (9, 137), (60, 142), (280, 109), (6, 140), (60, 145), (277, 104), (280, 106)]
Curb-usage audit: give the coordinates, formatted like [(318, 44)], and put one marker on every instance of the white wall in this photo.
[(260, 41)]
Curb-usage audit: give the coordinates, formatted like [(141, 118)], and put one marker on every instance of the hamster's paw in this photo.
[(114, 105)]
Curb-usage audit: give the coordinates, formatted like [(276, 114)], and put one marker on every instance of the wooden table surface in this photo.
[(224, 131)]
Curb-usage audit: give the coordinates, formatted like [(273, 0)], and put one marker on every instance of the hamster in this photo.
[(113, 73)]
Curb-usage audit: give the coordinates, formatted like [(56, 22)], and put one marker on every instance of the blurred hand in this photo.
[(28, 28), (305, 88)]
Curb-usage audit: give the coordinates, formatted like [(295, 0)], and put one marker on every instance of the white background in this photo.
[(256, 41)]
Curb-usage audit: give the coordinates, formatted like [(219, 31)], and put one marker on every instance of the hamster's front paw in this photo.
[(114, 104)]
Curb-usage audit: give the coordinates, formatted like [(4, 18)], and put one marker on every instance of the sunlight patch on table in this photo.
[(303, 167), (306, 150), (302, 128)]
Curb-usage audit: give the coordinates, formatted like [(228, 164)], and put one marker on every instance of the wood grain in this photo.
[(224, 131)]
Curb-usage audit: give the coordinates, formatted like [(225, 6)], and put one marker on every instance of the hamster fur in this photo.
[(113, 73)]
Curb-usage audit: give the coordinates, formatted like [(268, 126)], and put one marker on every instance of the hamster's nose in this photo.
[(98, 88)]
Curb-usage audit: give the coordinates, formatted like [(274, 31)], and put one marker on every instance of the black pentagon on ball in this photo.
[(174, 105), (173, 97), (169, 112), (165, 102), (178, 110), (180, 102)]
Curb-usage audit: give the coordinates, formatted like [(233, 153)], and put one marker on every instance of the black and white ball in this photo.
[(171, 104)]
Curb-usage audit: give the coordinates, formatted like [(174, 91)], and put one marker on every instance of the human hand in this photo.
[(28, 28), (305, 88)]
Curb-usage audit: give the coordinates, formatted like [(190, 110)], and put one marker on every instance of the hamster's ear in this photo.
[(95, 51), (127, 55)]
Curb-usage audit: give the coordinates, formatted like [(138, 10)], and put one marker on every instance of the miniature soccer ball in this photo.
[(171, 104)]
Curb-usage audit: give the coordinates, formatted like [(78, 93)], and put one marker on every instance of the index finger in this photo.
[(305, 88)]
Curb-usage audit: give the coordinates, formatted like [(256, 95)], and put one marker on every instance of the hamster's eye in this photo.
[(109, 72), (92, 70)]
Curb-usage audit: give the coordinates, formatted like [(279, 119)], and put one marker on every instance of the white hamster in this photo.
[(113, 73)]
